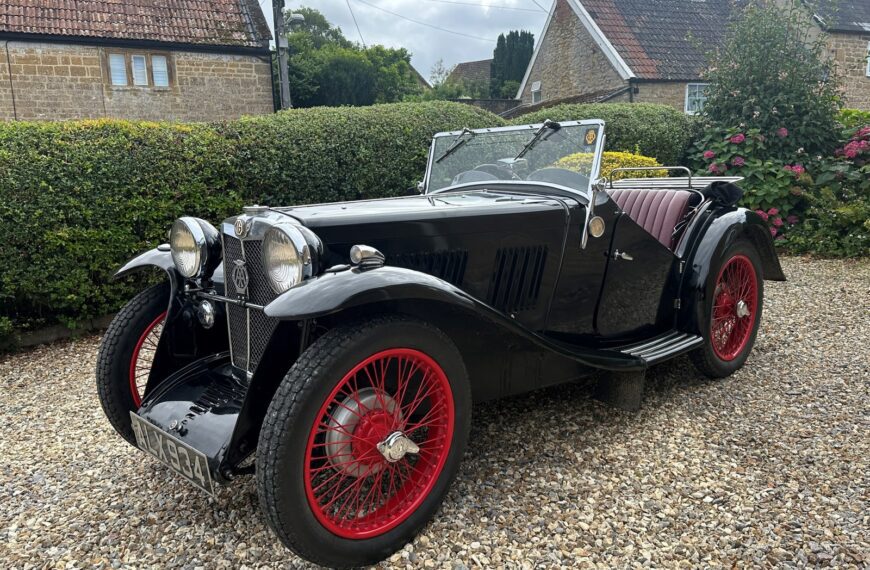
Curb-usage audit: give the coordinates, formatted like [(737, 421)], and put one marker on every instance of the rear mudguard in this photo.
[(718, 234), (424, 295)]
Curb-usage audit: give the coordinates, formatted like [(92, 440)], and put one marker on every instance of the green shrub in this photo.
[(79, 198), (853, 118), (658, 131)]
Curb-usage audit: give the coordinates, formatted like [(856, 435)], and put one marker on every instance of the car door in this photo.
[(635, 299)]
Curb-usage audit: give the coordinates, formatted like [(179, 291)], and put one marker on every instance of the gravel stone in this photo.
[(770, 467)]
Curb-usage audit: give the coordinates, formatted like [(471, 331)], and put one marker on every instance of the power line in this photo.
[(541, 7), (428, 25), (493, 6), (355, 23)]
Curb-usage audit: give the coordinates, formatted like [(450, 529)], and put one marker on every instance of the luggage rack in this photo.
[(687, 182)]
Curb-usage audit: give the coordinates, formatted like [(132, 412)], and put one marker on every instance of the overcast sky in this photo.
[(427, 45)]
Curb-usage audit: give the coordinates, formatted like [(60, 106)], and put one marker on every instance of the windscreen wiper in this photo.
[(551, 126), (457, 143)]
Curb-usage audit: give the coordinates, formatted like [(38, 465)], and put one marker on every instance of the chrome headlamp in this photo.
[(195, 247), (286, 257)]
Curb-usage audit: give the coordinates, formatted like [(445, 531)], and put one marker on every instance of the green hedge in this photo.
[(79, 198), (658, 131)]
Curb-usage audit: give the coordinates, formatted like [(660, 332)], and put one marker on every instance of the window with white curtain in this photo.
[(118, 68), (140, 70), (159, 71), (696, 97), (537, 96)]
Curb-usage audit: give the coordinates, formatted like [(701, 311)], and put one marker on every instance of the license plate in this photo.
[(180, 457)]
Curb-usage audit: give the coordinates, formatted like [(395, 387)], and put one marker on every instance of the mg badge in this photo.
[(242, 227), (240, 277)]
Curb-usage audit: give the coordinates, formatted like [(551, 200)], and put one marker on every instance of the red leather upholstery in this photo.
[(656, 211)]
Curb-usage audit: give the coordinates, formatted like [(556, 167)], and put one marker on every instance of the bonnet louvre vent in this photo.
[(446, 265), (516, 278)]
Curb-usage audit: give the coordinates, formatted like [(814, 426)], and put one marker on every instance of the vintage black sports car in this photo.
[(335, 349)]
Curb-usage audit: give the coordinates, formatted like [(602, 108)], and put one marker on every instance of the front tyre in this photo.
[(734, 313), (126, 354), (362, 440)]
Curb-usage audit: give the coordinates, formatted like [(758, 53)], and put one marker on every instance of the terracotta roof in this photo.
[(662, 39), (472, 72), (845, 15), (237, 23)]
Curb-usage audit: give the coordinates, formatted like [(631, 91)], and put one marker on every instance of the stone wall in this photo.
[(850, 53), (569, 61), (65, 81), (662, 92)]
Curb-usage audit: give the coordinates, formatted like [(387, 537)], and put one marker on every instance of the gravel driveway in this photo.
[(770, 467)]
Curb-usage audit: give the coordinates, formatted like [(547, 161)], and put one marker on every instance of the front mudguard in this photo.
[(720, 233)]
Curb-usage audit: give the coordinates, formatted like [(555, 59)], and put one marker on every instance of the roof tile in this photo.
[(238, 23)]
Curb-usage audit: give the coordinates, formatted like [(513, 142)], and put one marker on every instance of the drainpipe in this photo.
[(11, 85), (631, 89)]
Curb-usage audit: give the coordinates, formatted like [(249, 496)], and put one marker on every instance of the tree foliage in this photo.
[(509, 62), (328, 69), (772, 73)]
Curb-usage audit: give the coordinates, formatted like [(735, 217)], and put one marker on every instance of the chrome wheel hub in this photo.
[(342, 433), (742, 309), (396, 446)]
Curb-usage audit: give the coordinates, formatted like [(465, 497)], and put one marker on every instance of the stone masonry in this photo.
[(51, 81), (569, 61), (849, 51)]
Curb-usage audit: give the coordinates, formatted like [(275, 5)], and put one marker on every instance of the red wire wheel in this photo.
[(735, 304), (379, 443), (143, 357)]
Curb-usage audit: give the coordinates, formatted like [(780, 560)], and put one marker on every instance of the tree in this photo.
[(439, 73), (509, 62), (326, 68), (773, 74)]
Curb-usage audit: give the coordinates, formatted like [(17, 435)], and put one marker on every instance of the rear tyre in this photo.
[(733, 313), (362, 440), (126, 354)]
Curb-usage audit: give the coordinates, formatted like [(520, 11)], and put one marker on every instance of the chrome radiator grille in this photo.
[(250, 329)]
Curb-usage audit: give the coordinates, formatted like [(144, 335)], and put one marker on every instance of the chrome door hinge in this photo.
[(622, 255), (678, 304)]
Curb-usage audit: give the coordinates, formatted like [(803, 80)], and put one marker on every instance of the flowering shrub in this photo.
[(837, 221), (581, 162)]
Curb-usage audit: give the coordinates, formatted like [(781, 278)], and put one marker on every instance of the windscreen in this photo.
[(563, 154)]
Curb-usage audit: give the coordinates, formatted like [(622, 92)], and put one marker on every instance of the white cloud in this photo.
[(428, 45)]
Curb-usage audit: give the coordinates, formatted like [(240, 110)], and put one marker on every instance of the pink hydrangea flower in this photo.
[(773, 232), (738, 161), (782, 133), (762, 214), (713, 168), (738, 138), (798, 169), (773, 212), (777, 222), (792, 220), (709, 154)]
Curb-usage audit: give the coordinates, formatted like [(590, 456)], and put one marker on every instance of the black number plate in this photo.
[(180, 457)]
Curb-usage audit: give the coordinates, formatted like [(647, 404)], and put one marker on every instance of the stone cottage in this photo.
[(179, 60)]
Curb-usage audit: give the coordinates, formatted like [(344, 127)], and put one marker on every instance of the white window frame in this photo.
[(537, 94), (868, 59), (144, 58), (165, 61), (686, 103), (123, 67)]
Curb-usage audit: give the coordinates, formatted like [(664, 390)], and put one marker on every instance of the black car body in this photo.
[(537, 277)]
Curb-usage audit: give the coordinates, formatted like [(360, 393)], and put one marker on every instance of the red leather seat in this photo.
[(656, 211)]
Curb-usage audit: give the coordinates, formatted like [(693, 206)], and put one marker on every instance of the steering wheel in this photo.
[(499, 171)]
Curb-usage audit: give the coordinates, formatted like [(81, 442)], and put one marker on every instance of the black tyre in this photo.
[(126, 353), (362, 440), (734, 307)]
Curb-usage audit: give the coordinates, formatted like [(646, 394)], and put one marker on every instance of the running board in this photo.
[(663, 347)]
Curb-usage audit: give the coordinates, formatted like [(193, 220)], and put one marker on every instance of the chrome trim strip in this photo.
[(247, 318), (229, 325)]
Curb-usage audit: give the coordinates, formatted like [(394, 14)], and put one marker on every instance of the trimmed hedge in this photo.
[(610, 161), (658, 131), (78, 198)]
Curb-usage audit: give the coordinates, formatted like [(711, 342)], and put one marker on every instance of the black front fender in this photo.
[(159, 257), (718, 235), (336, 292)]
